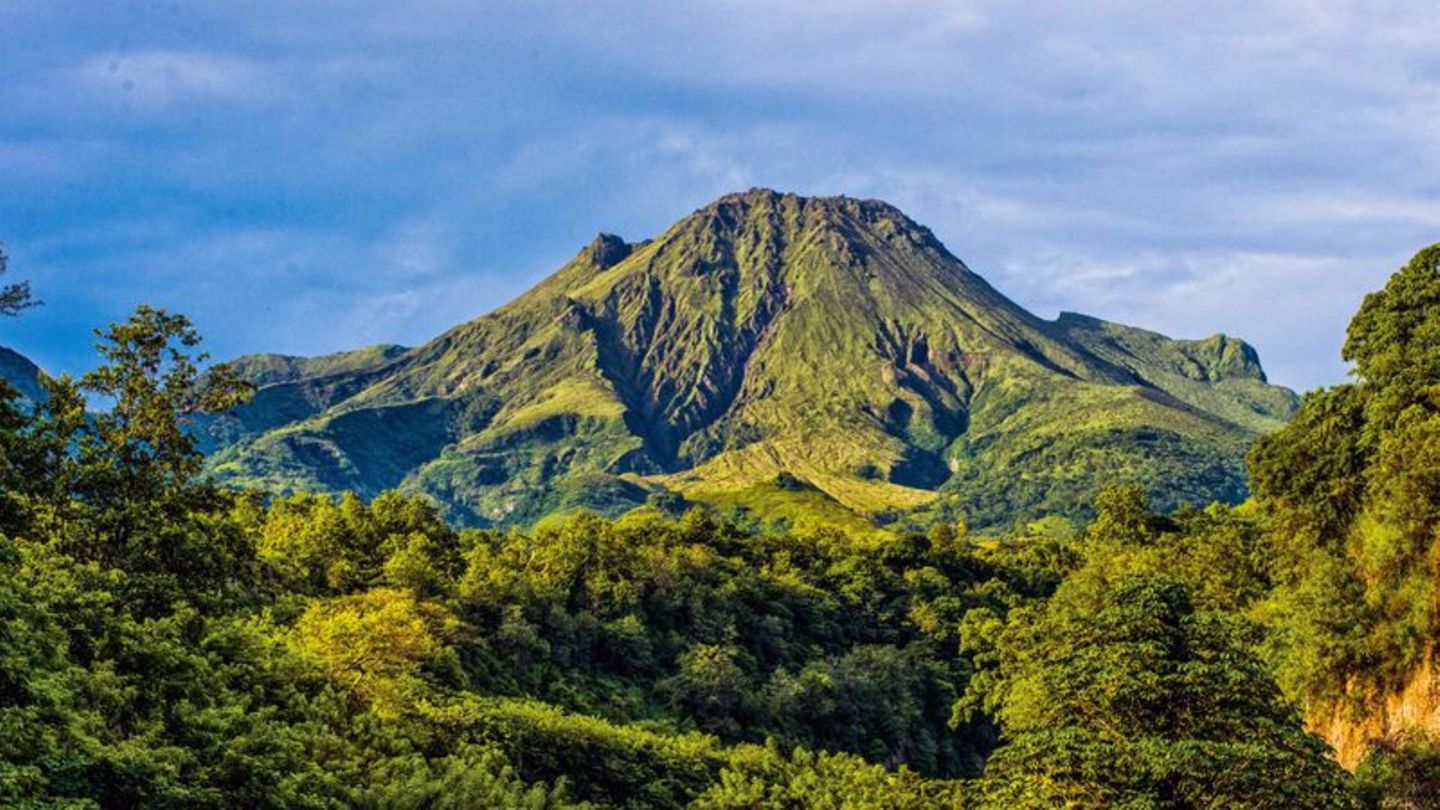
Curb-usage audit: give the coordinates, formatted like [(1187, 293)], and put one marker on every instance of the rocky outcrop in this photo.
[(1352, 732)]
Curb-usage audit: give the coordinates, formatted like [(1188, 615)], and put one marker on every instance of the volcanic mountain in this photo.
[(768, 351)]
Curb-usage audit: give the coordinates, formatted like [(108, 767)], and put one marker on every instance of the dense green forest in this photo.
[(168, 643)]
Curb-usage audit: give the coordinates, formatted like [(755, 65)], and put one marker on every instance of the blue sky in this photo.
[(308, 177)]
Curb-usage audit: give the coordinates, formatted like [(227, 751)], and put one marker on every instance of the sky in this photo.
[(311, 177)]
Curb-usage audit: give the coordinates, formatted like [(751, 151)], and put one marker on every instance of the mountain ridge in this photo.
[(831, 339)]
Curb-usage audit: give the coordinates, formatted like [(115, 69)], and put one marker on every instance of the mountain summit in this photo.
[(764, 349)]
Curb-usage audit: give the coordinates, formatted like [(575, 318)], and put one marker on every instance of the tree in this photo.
[(413, 566), (883, 702), (16, 297), (125, 477), (1123, 516), (1134, 698), (153, 386), (710, 686), (473, 776), (1402, 772), (1352, 489), (1394, 339), (372, 644), (36, 460)]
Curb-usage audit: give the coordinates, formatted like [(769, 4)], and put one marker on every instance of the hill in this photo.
[(766, 350)]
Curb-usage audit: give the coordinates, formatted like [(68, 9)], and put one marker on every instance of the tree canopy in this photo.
[(165, 642)]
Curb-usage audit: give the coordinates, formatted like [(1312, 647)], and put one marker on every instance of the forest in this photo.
[(166, 642)]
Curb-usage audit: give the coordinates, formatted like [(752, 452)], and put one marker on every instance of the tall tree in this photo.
[(134, 466), (1134, 698)]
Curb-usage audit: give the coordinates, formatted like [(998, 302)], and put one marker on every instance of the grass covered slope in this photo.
[(830, 340)]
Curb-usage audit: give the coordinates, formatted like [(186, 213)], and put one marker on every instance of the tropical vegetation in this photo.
[(166, 641)]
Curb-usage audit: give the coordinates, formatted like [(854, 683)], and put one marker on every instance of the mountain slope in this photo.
[(23, 375), (831, 340)]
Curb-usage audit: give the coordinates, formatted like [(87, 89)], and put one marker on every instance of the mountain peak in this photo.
[(849, 225), (831, 339), (820, 207), (607, 250), (752, 195)]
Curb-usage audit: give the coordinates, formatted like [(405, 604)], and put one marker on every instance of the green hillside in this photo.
[(829, 340)]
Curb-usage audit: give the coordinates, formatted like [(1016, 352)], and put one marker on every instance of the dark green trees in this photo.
[(167, 643), (1136, 685), (1134, 698), (117, 484), (1402, 772)]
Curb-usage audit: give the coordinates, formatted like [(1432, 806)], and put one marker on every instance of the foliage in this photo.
[(164, 642), (1352, 486), (15, 297), (806, 781), (1132, 697), (1402, 772), (372, 643)]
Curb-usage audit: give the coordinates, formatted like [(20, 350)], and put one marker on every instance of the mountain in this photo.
[(17, 370), (770, 351)]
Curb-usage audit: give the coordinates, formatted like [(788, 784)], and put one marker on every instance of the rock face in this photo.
[(830, 339), (1352, 732)]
